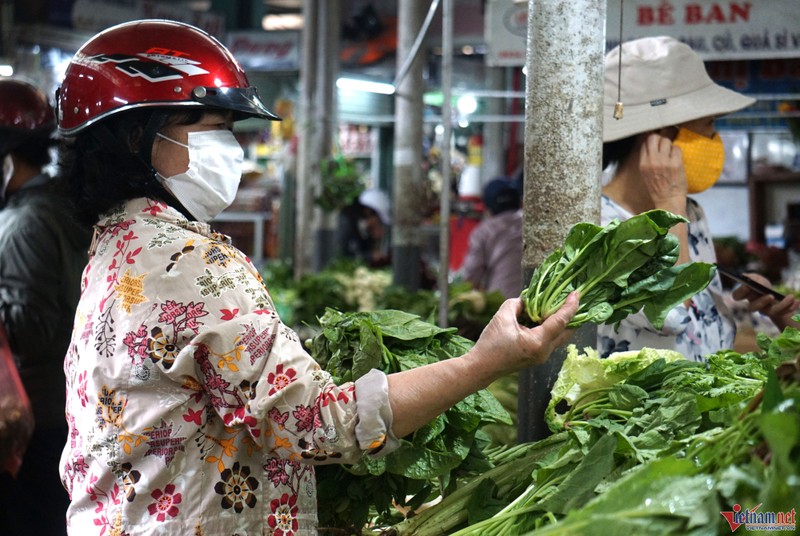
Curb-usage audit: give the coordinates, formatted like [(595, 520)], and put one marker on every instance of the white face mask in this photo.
[(363, 227), (8, 172), (215, 168)]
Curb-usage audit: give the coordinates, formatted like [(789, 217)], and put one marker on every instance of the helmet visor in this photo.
[(244, 102)]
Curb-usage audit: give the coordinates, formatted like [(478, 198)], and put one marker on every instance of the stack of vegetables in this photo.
[(428, 462), (347, 285), (644, 443)]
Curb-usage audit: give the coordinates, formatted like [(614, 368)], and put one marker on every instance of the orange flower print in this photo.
[(129, 290), (279, 380), (166, 503), (283, 519)]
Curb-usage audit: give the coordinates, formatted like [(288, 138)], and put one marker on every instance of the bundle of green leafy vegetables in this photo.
[(618, 269), (645, 443), (427, 463), (347, 285)]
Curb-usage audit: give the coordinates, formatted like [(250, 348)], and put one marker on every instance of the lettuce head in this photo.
[(585, 376)]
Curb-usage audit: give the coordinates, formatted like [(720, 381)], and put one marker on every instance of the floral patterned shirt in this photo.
[(191, 408), (705, 327)]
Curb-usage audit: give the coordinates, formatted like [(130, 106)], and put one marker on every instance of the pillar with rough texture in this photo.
[(326, 121), (563, 154), (493, 152), (304, 208), (406, 221)]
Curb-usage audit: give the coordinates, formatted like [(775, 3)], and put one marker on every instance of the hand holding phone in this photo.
[(750, 283)]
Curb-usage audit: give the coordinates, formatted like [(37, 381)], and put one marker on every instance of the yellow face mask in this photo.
[(703, 159)]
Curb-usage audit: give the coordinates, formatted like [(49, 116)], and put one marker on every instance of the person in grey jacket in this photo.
[(42, 254), (494, 257)]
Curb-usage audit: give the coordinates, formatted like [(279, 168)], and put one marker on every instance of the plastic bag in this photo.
[(16, 414)]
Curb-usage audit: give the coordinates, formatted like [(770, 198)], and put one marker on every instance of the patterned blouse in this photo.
[(192, 409), (705, 327)]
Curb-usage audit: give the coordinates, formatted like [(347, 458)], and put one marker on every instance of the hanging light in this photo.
[(285, 21), (355, 84), (467, 104)]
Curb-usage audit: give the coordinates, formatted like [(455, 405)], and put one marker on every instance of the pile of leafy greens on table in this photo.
[(618, 269), (427, 463), (349, 285), (644, 443)]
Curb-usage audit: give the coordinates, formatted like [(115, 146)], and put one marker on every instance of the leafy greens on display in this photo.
[(348, 346), (618, 269), (644, 442)]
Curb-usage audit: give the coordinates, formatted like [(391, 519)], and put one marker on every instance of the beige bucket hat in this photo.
[(664, 83)]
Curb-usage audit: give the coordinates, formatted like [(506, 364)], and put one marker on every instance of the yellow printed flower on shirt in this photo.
[(129, 289)]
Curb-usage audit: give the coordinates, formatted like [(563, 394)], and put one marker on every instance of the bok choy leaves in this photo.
[(619, 269)]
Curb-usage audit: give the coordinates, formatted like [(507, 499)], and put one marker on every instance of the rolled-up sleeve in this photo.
[(374, 426)]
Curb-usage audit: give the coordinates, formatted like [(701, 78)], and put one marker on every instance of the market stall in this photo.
[(642, 442)]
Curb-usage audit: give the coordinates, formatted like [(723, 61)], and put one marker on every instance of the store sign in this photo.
[(506, 28), (96, 15), (266, 51), (716, 30), (213, 23)]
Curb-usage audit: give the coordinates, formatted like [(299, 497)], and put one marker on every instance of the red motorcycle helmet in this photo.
[(152, 63), (24, 112), (23, 106)]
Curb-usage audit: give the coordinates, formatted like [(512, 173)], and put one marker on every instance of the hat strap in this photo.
[(618, 105)]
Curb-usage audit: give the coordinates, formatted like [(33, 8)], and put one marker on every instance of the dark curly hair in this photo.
[(108, 163)]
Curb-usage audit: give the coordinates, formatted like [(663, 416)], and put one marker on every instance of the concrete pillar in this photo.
[(329, 28), (305, 133), (563, 153), (493, 154), (406, 219)]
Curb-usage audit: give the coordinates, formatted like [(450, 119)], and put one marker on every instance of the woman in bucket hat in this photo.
[(192, 408), (659, 146)]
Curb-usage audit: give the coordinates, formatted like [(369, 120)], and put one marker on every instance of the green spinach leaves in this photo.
[(428, 461), (618, 269)]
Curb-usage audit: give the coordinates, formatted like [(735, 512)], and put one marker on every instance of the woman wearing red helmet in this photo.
[(191, 407), (42, 254)]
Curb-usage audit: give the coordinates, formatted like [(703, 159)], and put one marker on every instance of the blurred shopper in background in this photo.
[(42, 254), (364, 229), (192, 408), (662, 149), (494, 257)]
